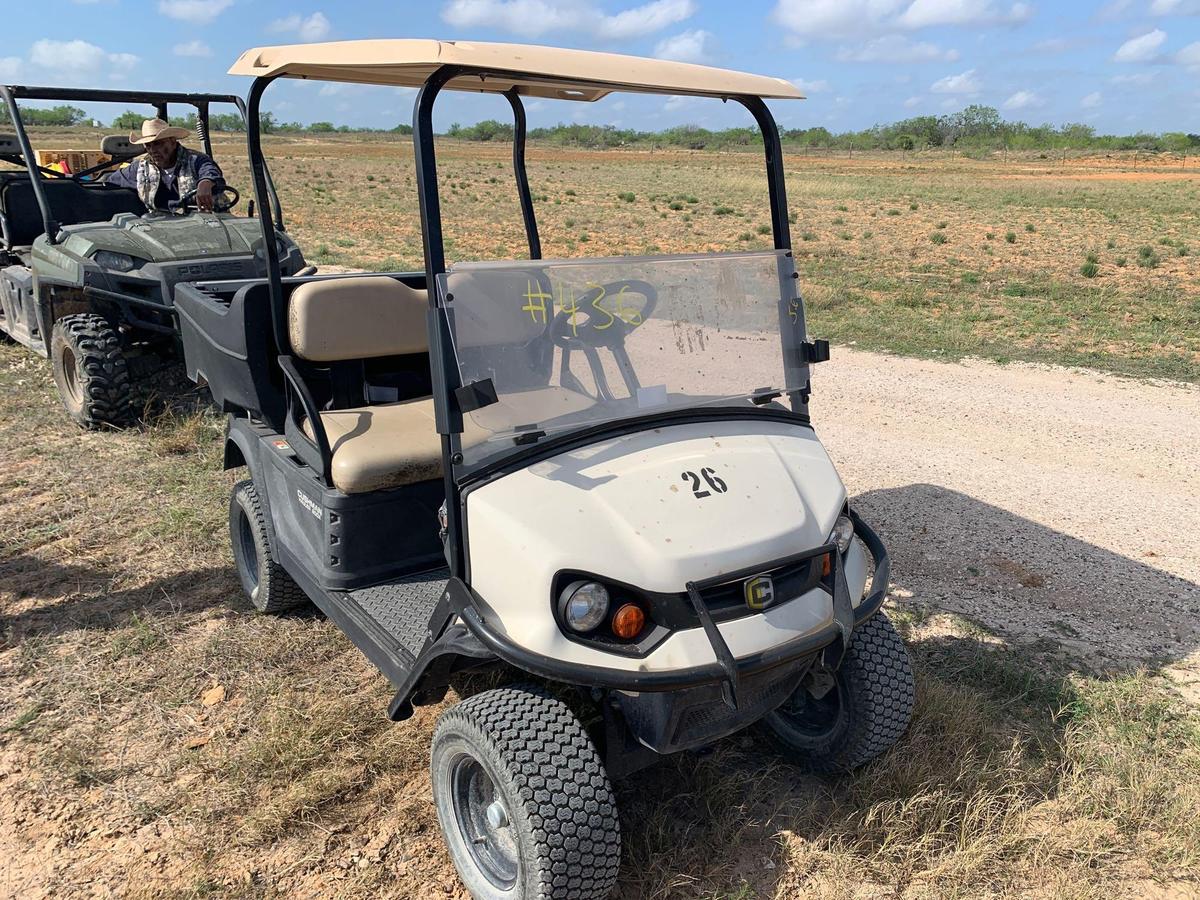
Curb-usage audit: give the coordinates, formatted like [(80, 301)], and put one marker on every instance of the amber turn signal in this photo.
[(826, 565), (628, 621)]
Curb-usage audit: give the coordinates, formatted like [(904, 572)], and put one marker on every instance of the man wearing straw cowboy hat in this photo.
[(169, 171)]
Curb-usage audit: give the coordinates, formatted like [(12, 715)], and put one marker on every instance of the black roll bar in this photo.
[(443, 369), (49, 226), (158, 99), (531, 229)]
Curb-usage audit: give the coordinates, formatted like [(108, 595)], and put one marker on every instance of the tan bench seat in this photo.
[(393, 444)]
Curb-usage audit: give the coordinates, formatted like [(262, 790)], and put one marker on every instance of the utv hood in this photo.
[(647, 509), (166, 238)]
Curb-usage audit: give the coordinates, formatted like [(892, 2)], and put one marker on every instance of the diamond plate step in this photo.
[(403, 608)]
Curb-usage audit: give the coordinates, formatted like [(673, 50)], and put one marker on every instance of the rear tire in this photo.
[(525, 805), (862, 716), (90, 372), (267, 584)]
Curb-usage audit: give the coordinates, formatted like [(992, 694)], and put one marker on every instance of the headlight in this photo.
[(842, 534), (121, 262), (584, 605)]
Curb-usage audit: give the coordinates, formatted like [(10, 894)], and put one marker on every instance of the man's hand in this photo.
[(204, 196)]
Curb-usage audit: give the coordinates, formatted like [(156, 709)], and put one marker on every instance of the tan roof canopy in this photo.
[(543, 71)]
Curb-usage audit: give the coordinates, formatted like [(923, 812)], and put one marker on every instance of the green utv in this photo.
[(88, 275)]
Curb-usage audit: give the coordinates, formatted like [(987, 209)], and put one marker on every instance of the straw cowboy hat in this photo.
[(157, 130)]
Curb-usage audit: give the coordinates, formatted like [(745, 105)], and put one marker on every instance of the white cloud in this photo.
[(835, 18), (531, 18), (1092, 101), (1141, 49), (9, 67), (896, 48), (1140, 79), (963, 83), (856, 18), (1113, 10), (198, 12), (927, 13), (1024, 100), (820, 86), (912, 102), (78, 57), (1052, 45), (1189, 55), (1175, 8), (193, 48), (694, 46), (307, 28)]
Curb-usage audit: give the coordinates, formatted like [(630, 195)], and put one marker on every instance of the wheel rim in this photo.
[(249, 553), (70, 377), (482, 820), (814, 719)]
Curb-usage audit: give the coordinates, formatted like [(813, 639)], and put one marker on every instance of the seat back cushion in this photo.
[(71, 203), (356, 318)]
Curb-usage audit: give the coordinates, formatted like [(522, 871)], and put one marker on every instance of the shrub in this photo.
[(990, 236), (1111, 244), (722, 210), (839, 221), (676, 205), (570, 191), (1092, 257), (913, 206), (843, 208), (763, 229), (893, 212), (1011, 237), (808, 236), (627, 196), (938, 237), (1089, 269), (1121, 262), (1147, 258), (941, 225), (1029, 227), (745, 236)]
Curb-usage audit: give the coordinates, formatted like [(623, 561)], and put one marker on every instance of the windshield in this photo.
[(568, 344)]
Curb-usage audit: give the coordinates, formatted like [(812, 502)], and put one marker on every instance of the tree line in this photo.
[(975, 128)]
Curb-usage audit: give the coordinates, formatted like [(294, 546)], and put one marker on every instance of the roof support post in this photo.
[(531, 229), (775, 180), (262, 192), (443, 368), (35, 174)]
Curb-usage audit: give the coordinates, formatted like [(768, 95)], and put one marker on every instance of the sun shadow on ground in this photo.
[(989, 734)]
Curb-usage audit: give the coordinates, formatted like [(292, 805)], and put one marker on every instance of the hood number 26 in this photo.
[(710, 478)]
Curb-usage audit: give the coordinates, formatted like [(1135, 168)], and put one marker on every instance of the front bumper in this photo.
[(726, 670)]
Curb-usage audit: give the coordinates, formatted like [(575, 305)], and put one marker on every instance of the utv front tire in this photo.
[(862, 715), (269, 587), (90, 372), (525, 805)]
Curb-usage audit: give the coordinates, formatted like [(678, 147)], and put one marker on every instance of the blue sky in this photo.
[(1121, 65)]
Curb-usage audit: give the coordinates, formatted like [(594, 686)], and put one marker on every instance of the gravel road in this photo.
[(1041, 502)]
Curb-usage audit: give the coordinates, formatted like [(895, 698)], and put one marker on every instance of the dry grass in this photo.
[(122, 614)]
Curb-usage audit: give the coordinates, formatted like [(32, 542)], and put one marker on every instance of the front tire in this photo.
[(525, 805), (863, 715), (267, 584), (90, 372)]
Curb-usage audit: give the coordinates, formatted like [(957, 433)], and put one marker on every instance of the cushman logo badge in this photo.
[(759, 591), (309, 503)]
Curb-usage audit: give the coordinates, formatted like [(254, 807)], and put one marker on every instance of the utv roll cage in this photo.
[(160, 100), (429, 66)]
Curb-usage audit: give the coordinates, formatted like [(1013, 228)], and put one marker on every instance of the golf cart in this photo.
[(600, 473), (87, 275)]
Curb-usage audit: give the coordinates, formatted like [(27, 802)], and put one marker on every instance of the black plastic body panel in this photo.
[(227, 342), (348, 541)]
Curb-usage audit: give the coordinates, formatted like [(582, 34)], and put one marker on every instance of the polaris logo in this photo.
[(309, 503), (759, 592)]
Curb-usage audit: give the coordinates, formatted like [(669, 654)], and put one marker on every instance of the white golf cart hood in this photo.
[(627, 509)]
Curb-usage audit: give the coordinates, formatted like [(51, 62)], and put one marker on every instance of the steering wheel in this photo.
[(604, 314), (221, 202)]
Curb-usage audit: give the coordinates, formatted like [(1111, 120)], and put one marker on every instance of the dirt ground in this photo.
[(1054, 508)]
